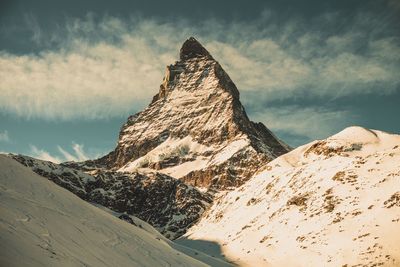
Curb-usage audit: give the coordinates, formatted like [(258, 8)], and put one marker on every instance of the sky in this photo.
[(71, 72)]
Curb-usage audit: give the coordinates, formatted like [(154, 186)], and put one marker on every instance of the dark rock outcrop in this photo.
[(191, 48)]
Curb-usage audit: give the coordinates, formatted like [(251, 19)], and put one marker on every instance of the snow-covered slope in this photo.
[(43, 224), (334, 202), (212, 259), (163, 201)]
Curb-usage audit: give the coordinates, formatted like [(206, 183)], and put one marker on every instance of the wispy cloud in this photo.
[(43, 155), (4, 137), (108, 68), (66, 154), (78, 154)]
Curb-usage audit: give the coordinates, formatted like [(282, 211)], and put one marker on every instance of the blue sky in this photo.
[(72, 71)]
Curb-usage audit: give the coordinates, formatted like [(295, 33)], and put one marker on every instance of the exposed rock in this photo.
[(192, 48), (393, 201)]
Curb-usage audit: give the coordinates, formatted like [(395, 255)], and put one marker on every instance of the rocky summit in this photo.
[(195, 129)]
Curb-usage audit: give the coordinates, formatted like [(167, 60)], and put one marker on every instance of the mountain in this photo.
[(224, 188), (195, 129), (194, 135), (43, 224), (332, 202)]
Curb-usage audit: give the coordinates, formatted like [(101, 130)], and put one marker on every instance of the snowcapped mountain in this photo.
[(194, 139), (43, 224), (194, 167), (195, 129), (333, 202)]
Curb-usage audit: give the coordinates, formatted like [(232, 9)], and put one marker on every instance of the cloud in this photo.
[(78, 154), (4, 136), (43, 155), (66, 154), (110, 67)]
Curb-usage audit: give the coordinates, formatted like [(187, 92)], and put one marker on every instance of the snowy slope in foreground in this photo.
[(334, 202), (43, 224)]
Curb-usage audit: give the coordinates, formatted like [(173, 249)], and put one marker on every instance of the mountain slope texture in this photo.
[(43, 224), (333, 202)]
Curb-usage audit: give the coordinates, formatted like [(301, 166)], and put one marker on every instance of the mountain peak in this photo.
[(195, 129), (191, 48)]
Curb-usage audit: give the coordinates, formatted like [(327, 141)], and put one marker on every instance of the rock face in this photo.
[(333, 202), (195, 129), (165, 202)]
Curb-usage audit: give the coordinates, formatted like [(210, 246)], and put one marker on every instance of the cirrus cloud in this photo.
[(110, 68), (78, 154)]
